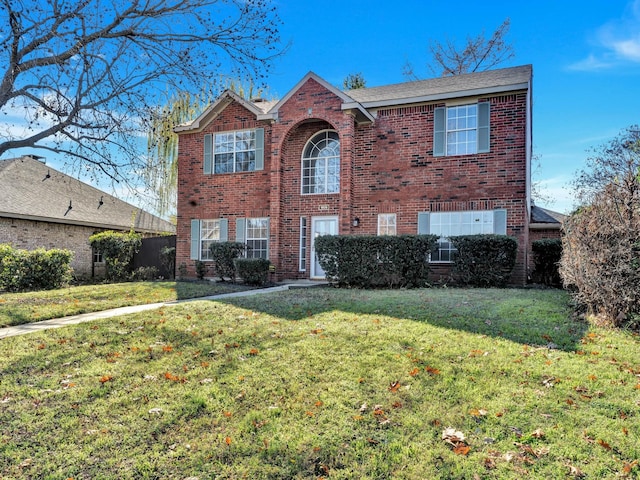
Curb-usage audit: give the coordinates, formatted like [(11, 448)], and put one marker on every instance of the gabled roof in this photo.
[(544, 218), (348, 103), (32, 190), (454, 86), (258, 107)]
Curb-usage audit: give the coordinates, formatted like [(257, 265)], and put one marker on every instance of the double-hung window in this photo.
[(204, 233), (321, 164), (254, 233), (450, 224), (233, 152), (387, 224), (461, 129)]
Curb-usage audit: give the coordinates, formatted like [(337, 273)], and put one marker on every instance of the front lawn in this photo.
[(326, 383), (20, 308)]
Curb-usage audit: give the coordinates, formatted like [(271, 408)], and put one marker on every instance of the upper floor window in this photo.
[(387, 224), (231, 152), (321, 164), (461, 129)]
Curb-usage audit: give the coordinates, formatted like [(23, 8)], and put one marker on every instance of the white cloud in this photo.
[(590, 63), (617, 42)]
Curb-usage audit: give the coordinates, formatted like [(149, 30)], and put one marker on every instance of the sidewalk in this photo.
[(114, 312)]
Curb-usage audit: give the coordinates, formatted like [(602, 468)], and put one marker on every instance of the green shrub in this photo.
[(168, 259), (223, 254), (376, 261), (547, 253), (484, 260), (144, 273), (39, 269), (253, 271), (117, 249), (201, 269)]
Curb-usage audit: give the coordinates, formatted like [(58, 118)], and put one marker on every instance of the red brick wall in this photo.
[(386, 167)]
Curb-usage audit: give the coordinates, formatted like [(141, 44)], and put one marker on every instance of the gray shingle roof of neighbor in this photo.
[(33, 190), (478, 83), (543, 215)]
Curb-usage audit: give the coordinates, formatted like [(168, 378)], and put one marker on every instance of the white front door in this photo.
[(320, 226)]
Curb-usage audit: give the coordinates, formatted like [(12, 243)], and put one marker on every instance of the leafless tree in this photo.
[(80, 76), (478, 54)]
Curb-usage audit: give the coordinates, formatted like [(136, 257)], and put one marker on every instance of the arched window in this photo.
[(321, 164)]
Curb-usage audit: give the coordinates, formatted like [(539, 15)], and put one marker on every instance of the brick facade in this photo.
[(386, 166), (31, 234)]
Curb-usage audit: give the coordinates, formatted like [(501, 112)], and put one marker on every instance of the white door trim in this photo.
[(315, 274)]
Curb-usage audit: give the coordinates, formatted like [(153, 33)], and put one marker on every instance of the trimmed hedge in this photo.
[(223, 255), (484, 260), (547, 253), (117, 249), (39, 269), (253, 271), (376, 261)]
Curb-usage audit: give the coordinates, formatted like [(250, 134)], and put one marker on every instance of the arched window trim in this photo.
[(320, 174)]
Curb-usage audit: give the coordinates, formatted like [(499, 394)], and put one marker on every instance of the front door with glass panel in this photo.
[(320, 226)]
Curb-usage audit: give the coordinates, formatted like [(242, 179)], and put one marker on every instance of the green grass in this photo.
[(21, 308), (326, 383)]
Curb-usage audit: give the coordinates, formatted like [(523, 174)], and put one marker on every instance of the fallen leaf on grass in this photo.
[(155, 411), (604, 444), (462, 449), (537, 433), (452, 436), (474, 412), (106, 378), (432, 371), (394, 386), (228, 440), (626, 469)]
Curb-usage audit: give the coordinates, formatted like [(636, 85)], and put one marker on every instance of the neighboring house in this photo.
[(42, 207), (544, 224), (447, 156)]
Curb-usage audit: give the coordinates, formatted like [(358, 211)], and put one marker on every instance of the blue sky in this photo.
[(585, 57)]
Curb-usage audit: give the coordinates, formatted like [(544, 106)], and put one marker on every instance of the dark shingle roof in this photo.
[(478, 83), (33, 190), (542, 215)]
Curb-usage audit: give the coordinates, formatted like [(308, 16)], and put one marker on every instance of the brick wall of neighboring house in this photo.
[(30, 234), (385, 167)]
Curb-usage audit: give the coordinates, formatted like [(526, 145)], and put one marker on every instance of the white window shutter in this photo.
[(195, 239), (439, 132), (208, 154), (483, 127)]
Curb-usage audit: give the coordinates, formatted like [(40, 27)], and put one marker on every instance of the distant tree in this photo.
[(354, 81), (83, 74), (478, 54), (601, 246)]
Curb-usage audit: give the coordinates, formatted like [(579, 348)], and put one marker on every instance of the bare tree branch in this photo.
[(82, 76), (478, 54)]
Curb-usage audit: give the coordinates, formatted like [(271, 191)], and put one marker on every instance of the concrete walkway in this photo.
[(114, 312)]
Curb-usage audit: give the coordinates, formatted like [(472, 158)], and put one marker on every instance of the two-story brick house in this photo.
[(449, 156)]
